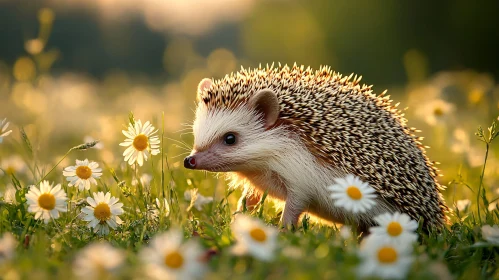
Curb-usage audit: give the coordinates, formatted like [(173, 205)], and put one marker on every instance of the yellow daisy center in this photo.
[(174, 260), (438, 111), (83, 172), (387, 255), (354, 193), (140, 142), (102, 212), (10, 170), (46, 201), (258, 234), (394, 229)]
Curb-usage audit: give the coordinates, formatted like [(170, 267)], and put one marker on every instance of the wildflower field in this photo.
[(93, 184)]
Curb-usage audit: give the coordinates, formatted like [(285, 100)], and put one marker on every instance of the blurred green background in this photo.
[(75, 68)]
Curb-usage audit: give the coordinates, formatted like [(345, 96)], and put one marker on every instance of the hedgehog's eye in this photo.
[(230, 138)]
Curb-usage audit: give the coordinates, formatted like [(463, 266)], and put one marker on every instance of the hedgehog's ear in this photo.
[(266, 103), (203, 85)]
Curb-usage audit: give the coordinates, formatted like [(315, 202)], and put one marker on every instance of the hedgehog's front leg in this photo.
[(292, 211), (250, 198)]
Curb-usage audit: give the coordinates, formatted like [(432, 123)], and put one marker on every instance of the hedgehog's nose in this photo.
[(190, 162)]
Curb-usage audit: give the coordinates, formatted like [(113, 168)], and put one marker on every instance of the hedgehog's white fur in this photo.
[(278, 163)]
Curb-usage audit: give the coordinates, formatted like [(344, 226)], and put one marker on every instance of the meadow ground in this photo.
[(161, 196)]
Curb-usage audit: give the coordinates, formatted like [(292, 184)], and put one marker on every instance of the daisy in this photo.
[(7, 245), (397, 228), (384, 259), (167, 257), (492, 206), (3, 129), (346, 232), (47, 201), (13, 165), (9, 195), (159, 209), (163, 206), (141, 142), (97, 260), (197, 200), (463, 204), (103, 212), (352, 194), (491, 234), (461, 144), (435, 111), (83, 174), (253, 237)]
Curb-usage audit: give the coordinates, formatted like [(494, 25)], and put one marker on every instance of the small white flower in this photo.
[(463, 204), (461, 144), (3, 129), (83, 174), (346, 232), (435, 111), (13, 165), (167, 257), (352, 194), (103, 212), (384, 259), (199, 199), (9, 195), (160, 209), (253, 237), (47, 201), (398, 228), (163, 207), (7, 246), (491, 234), (96, 260), (141, 142), (492, 206)]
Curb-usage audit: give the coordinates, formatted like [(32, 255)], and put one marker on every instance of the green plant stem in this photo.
[(481, 182), (57, 164)]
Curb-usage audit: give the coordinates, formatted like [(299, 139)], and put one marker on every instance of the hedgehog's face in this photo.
[(234, 139)]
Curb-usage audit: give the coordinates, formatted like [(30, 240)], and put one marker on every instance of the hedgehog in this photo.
[(290, 131)]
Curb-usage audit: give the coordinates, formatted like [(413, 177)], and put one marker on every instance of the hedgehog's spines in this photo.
[(302, 91)]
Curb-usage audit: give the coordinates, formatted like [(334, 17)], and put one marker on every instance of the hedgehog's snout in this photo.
[(190, 162)]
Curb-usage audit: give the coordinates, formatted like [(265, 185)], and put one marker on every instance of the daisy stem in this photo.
[(45, 176), (59, 229), (481, 182)]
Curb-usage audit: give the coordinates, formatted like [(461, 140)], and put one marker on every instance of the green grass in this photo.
[(313, 251)]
